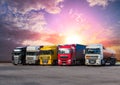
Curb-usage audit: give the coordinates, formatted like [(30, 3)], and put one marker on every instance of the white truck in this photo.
[(32, 53), (96, 54)]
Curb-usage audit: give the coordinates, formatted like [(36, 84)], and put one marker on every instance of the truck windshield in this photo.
[(16, 53), (64, 51), (32, 53), (46, 52), (92, 51)]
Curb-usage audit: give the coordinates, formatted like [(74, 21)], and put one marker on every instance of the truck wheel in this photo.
[(14, 63), (23, 62), (112, 61), (83, 62), (74, 62), (55, 62), (103, 62)]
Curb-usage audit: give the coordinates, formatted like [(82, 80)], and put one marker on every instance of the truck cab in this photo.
[(65, 53), (32, 53), (18, 55), (48, 55), (93, 55)]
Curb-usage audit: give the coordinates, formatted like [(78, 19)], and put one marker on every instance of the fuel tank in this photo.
[(107, 53)]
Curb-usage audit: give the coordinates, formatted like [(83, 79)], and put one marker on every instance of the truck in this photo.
[(71, 54), (97, 54), (48, 55), (19, 55), (32, 53)]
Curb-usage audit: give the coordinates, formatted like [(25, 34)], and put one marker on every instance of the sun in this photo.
[(73, 39)]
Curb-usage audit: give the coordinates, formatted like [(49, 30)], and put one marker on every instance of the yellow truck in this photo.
[(48, 55)]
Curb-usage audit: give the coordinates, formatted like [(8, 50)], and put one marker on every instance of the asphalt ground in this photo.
[(59, 75)]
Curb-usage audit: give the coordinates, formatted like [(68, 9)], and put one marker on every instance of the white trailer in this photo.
[(96, 54)]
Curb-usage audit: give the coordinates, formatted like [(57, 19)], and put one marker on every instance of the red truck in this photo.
[(71, 54)]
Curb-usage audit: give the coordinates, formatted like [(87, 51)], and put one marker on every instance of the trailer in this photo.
[(97, 54)]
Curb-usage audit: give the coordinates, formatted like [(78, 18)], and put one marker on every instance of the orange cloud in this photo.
[(44, 38)]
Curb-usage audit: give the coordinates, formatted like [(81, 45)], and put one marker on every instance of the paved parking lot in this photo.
[(59, 75)]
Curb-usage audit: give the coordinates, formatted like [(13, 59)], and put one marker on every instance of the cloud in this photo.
[(49, 6), (84, 25), (118, 22), (28, 14), (103, 3), (110, 43), (32, 20), (45, 38), (6, 43), (6, 47)]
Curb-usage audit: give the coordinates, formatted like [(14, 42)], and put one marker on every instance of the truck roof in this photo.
[(33, 48), (69, 45), (49, 47), (20, 47), (94, 45), (17, 50)]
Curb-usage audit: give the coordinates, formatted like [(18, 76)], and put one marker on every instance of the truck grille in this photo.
[(29, 58), (91, 61), (16, 58), (45, 59), (93, 57), (63, 56)]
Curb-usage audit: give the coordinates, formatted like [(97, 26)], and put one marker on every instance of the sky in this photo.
[(46, 22)]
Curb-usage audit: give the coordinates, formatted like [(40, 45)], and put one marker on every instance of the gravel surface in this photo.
[(59, 75)]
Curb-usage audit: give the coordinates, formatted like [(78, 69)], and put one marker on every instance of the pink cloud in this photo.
[(44, 38)]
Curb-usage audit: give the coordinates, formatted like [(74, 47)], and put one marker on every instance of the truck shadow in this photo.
[(104, 66)]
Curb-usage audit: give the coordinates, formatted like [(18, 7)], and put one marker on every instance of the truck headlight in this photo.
[(69, 60), (87, 57), (99, 57), (59, 60)]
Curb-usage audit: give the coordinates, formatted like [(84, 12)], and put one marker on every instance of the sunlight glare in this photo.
[(73, 39)]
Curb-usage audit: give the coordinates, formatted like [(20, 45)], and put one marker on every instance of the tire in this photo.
[(54, 62), (13, 62), (112, 61), (74, 63), (83, 62), (103, 62)]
